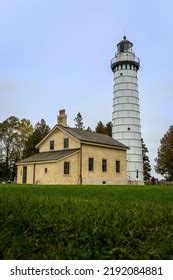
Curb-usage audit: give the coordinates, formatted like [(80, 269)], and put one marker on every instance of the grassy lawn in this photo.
[(86, 222)]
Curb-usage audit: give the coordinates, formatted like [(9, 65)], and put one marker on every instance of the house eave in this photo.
[(104, 145), (47, 161)]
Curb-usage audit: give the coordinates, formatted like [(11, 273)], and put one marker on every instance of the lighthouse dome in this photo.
[(124, 45)]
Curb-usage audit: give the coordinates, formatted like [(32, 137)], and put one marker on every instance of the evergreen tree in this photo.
[(89, 129), (104, 129), (164, 160), (146, 162), (100, 128), (109, 129), (41, 129), (79, 121)]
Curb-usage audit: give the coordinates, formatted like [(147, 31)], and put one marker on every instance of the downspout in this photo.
[(34, 175), (80, 175)]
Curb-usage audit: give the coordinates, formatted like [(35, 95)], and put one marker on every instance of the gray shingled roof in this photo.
[(93, 137), (48, 156)]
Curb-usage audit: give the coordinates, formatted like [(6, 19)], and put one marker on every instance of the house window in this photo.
[(66, 168), (117, 166), (90, 164), (66, 143), (45, 170), (104, 165), (52, 144)]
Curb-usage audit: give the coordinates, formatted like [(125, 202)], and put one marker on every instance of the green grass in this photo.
[(86, 222)]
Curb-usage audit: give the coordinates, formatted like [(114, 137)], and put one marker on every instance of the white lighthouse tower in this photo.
[(126, 111)]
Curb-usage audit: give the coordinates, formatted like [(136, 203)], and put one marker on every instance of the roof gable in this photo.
[(86, 136), (54, 130)]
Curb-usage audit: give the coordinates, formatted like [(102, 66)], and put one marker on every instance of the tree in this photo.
[(8, 137), (146, 162), (24, 131), (79, 121), (13, 134), (4, 174), (100, 128), (89, 129), (41, 129), (109, 129), (104, 129), (164, 160)]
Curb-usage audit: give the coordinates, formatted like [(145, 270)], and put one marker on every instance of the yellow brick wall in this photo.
[(97, 176), (55, 172), (19, 174), (30, 168), (58, 138)]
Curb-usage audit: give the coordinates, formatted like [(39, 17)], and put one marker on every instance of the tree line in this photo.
[(18, 139)]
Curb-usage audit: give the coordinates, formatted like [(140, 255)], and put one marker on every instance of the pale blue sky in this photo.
[(56, 54)]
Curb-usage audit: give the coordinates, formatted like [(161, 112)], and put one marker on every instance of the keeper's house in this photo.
[(73, 156)]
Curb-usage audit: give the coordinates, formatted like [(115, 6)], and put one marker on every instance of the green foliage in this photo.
[(4, 172), (79, 121), (146, 162), (104, 129), (164, 160), (13, 135), (100, 128), (41, 129), (109, 129), (88, 222), (89, 129), (18, 140)]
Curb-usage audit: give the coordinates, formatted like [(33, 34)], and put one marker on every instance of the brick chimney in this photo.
[(62, 118)]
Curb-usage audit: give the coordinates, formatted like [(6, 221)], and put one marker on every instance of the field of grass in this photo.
[(86, 222)]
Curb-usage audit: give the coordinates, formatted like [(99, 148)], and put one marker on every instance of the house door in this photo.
[(24, 175)]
